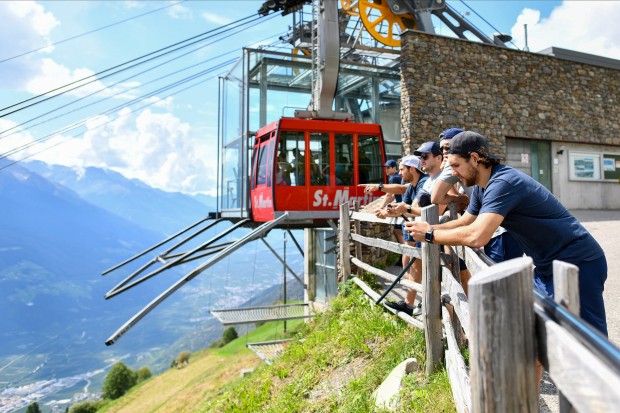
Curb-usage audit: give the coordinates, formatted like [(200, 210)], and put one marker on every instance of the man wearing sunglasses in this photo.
[(537, 220)]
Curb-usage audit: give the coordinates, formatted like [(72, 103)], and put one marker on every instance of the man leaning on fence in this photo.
[(537, 220)]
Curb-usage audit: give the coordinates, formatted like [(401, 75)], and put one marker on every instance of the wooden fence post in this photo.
[(566, 293), (345, 235), (502, 340), (431, 300), (358, 231)]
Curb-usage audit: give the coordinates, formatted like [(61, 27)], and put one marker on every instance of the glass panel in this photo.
[(369, 159), (319, 164), (326, 283), (231, 182), (344, 159), (292, 149)]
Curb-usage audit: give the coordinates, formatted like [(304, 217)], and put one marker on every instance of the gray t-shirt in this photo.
[(446, 176)]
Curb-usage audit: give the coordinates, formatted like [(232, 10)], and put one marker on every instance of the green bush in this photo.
[(118, 381), (85, 407), (143, 374), (33, 408)]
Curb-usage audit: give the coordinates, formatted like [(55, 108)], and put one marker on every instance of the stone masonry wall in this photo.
[(501, 93)]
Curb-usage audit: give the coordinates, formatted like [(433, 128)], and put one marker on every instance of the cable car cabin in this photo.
[(309, 167)]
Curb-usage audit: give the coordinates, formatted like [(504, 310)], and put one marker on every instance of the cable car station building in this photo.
[(554, 115)]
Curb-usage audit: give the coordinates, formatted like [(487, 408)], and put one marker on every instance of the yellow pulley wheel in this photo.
[(382, 24), (350, 7), (297, 51)]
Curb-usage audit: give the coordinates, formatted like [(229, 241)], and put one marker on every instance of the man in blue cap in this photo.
[(535, 218)]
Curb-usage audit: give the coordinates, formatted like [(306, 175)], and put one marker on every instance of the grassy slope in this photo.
[(341, 357)]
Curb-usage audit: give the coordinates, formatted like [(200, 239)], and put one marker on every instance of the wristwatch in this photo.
[(409, 209), (381, 186), (429, 236)]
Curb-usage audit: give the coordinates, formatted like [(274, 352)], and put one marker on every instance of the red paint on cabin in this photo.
[(314, 165)]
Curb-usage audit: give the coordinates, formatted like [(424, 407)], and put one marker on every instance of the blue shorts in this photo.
[(502, 248), (592, 276)]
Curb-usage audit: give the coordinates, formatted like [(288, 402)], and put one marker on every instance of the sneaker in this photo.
[(417, 310), (400, 306)]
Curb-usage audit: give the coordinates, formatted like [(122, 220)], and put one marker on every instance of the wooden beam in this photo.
[(566, 293), (502, 341), (384, 274), (431, 304), (455, 365), (345, 234)]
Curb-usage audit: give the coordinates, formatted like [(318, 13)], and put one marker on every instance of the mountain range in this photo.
[(59, 229)]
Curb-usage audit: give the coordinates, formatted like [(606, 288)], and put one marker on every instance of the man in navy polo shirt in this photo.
[(536, 219)]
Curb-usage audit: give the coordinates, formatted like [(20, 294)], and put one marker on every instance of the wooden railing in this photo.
[(507, 324)]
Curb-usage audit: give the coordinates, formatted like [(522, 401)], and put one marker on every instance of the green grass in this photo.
[(340, 359)]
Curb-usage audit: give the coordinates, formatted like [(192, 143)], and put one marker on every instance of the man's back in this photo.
[(543, 226)]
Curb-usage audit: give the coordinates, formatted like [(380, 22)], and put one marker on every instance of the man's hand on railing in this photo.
[(382, 213), (417, 229)]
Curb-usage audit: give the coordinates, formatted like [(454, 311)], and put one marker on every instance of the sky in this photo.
[(168, 137)]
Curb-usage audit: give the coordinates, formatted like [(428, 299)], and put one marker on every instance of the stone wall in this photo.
[(501, 93)]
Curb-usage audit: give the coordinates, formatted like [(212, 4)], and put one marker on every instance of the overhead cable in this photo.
[(192, 41), (91, 31)]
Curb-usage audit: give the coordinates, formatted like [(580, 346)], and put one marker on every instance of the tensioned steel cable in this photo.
[(92, 31), (4, 132), (112, 110), (124, 104), (228, 27), (15, 127), (102, 124), (484, 20)]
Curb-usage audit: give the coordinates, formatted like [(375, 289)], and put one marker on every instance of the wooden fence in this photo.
[(507, 324)]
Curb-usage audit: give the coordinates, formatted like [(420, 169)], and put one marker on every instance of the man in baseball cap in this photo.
[(534, 217)]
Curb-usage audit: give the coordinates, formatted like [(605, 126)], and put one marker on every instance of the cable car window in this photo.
[(292, 148), (261, 175), (369, 159), (319, 164), (344, 159)]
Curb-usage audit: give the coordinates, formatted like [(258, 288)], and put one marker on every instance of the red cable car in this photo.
[(309, 167)]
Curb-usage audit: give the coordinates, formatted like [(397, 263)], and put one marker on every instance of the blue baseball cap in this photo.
[(391, 163), (429, 147), (449, 133)]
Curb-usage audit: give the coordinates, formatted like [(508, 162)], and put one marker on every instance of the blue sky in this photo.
[(171, 144)]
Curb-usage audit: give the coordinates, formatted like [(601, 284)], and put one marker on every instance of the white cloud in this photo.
[(33, 14), (178, 11), (214, 18), (28, 26), (585, 26), (152, 147), (51, 75)]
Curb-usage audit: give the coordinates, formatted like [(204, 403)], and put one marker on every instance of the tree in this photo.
[(33, 408), (118, 381), (229, 335), (85, 407), (143, 374)]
